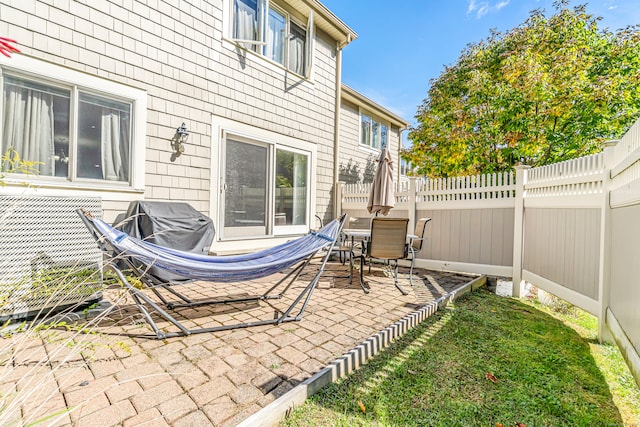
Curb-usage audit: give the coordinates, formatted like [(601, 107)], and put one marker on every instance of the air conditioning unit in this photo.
[(48, 260)]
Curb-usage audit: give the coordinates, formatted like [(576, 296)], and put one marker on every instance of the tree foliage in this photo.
[(551, 89)]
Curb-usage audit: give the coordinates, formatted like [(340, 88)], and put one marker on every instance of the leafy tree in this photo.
[(284, 169), (551, 89)]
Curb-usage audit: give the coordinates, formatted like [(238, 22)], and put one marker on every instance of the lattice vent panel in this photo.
[(48, 259)]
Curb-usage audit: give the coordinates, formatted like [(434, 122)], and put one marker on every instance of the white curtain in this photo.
[(28, 127), (114, 146), (296, 54), (245, 24), (275, 37)]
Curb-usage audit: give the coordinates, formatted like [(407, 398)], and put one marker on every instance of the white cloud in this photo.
[(502, 4), (472, 7), (481, 8)]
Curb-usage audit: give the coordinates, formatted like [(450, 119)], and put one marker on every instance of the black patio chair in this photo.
[(388, 242)]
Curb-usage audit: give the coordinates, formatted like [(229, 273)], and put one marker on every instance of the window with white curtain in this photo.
[(276, 36), (374, 133), (246, 24), (38, 126), (297, 49), (265, 28)]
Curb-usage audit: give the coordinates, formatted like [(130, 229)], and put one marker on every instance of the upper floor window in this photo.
[(405, 167), (82, 132), (373, 133), (270, 31)]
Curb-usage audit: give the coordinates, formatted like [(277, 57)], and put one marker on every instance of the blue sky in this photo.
[(403, 44)]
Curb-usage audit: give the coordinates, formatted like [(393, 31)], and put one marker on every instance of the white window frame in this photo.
[(29, 68), (373, 118), (279, 230), (405, 166), (260, 43), (287, 30), (222, 129), (249, 231)]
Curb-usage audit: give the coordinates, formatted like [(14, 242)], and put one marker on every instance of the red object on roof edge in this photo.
[(6, 48)]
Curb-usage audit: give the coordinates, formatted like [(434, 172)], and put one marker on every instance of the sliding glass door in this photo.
[(245, 189), (291, 188), (264, 189)]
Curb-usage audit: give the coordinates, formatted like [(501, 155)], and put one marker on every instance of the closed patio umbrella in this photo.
[(382, 196)]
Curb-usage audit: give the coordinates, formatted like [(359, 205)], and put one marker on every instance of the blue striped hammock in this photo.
[(232, 268)]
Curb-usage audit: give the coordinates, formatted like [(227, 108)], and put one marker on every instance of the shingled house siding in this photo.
[(280, 102), (175, 51), (350, 148)]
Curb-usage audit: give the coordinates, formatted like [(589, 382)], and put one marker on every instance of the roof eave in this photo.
[(331, 24), (356, 97)]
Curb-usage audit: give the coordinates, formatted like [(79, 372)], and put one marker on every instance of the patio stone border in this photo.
[(277, 410)]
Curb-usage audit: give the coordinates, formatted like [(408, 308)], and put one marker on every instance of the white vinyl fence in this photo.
[(563, 206), (472, 220), (621, 254), (571, 228)]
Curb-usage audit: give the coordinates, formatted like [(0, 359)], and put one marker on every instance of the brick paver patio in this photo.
[(115, 376)]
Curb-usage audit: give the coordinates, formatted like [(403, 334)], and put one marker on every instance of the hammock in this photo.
[(138, 255), (221, 268)]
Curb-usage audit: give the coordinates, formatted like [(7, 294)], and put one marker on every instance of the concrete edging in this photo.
[(277, 410)]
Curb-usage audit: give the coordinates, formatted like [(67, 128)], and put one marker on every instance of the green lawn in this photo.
[(486, 361)]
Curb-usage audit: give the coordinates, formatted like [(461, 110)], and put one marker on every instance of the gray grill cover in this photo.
[(174, 225)]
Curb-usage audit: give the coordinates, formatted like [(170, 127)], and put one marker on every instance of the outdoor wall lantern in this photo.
[(180, 138)]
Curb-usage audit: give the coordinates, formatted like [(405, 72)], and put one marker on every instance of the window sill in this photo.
[(232, 45), (368, 149), (16, 186)]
